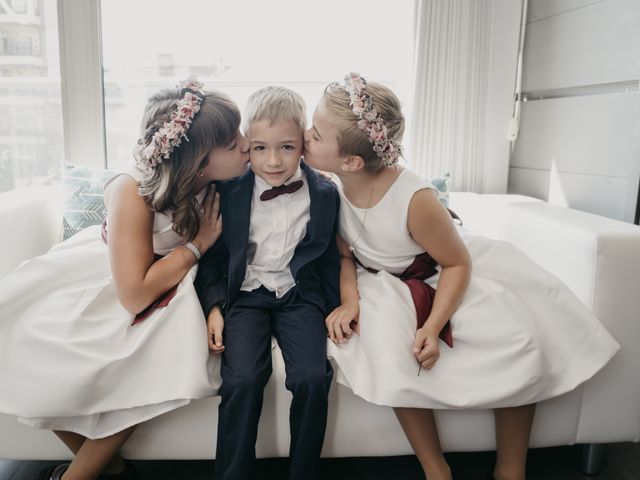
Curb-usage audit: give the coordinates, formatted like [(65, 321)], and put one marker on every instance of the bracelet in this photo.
[(194, 250)]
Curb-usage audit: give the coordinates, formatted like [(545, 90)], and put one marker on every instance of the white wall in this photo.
[(579, 144), (505, 32)]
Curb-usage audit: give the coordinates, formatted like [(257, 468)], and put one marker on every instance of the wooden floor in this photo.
[(622, 462)]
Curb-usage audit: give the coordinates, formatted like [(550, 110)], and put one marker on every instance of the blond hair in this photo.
[(275, 104), (351, 139), (170, 185)]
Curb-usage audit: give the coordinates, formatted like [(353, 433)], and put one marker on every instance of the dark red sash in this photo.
[(162, 301), (423, 267)]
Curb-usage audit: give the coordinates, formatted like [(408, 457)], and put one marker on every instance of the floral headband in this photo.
[(171, 134), (370, 121)]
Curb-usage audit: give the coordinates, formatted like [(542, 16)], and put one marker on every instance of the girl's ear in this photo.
[(352, 163)]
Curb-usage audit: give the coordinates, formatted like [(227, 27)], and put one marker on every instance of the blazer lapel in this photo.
[(322, 217), (236, 224)]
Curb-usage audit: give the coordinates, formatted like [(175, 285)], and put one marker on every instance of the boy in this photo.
[(280, 222)]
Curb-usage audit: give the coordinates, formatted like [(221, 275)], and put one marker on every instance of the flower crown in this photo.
[(370, 121), (171, 134)]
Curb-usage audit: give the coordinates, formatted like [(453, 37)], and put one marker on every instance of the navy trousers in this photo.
[(246, 367)]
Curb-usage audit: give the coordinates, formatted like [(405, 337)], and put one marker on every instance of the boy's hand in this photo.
[(342, 322), (426, 348), (215, 326)]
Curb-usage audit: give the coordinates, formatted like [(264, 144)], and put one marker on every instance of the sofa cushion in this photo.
[(30, 219)]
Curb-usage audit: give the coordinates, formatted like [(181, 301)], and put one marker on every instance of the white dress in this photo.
[(70, 358), (519, 335)]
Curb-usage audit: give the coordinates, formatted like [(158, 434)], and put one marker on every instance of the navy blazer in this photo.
[(315, 265)]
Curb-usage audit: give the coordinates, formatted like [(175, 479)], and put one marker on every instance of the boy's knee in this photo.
[(309, 377), (244, 382)]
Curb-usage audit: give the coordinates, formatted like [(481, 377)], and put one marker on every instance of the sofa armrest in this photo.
[(598, 258), (32, 224)]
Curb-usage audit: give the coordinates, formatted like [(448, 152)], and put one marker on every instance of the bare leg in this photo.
[(513, 429), (420, 428), (72, 440), (93, 457)]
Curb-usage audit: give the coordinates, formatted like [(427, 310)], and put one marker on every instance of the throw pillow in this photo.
[(83, 197), (443, 189)]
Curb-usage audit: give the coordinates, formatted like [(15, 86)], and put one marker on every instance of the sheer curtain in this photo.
[(463, 78)]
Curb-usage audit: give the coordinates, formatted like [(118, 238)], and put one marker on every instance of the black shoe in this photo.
[(53, 473)]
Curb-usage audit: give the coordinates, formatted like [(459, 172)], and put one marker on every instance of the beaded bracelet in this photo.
[(194, 250)]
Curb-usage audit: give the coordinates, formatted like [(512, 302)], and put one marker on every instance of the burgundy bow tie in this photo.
[(281, 190)]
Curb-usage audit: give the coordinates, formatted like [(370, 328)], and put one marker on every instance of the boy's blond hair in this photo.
[(275, 104)]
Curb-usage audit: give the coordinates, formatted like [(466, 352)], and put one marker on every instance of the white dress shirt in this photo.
[(276, 228)]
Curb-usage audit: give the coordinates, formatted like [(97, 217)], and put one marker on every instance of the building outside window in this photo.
[(235, 47), (31, 141)]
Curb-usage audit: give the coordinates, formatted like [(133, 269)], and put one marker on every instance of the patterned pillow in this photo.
[(83, 197), (443, 189)]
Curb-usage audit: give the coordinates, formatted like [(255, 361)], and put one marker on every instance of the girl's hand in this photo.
[(343, 321), (211, 221), (426, 348), (215, 326)]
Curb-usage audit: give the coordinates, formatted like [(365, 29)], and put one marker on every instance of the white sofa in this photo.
[(598, 258)]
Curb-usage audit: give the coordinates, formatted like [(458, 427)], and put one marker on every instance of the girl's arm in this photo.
[(430, 225), (339, 322), (138, 278)]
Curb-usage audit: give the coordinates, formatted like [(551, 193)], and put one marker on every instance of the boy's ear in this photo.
[(352, 163)]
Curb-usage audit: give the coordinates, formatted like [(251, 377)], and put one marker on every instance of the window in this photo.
[(31, 141), (235, 47), (19, 6), (238, 47), (18, 46)]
